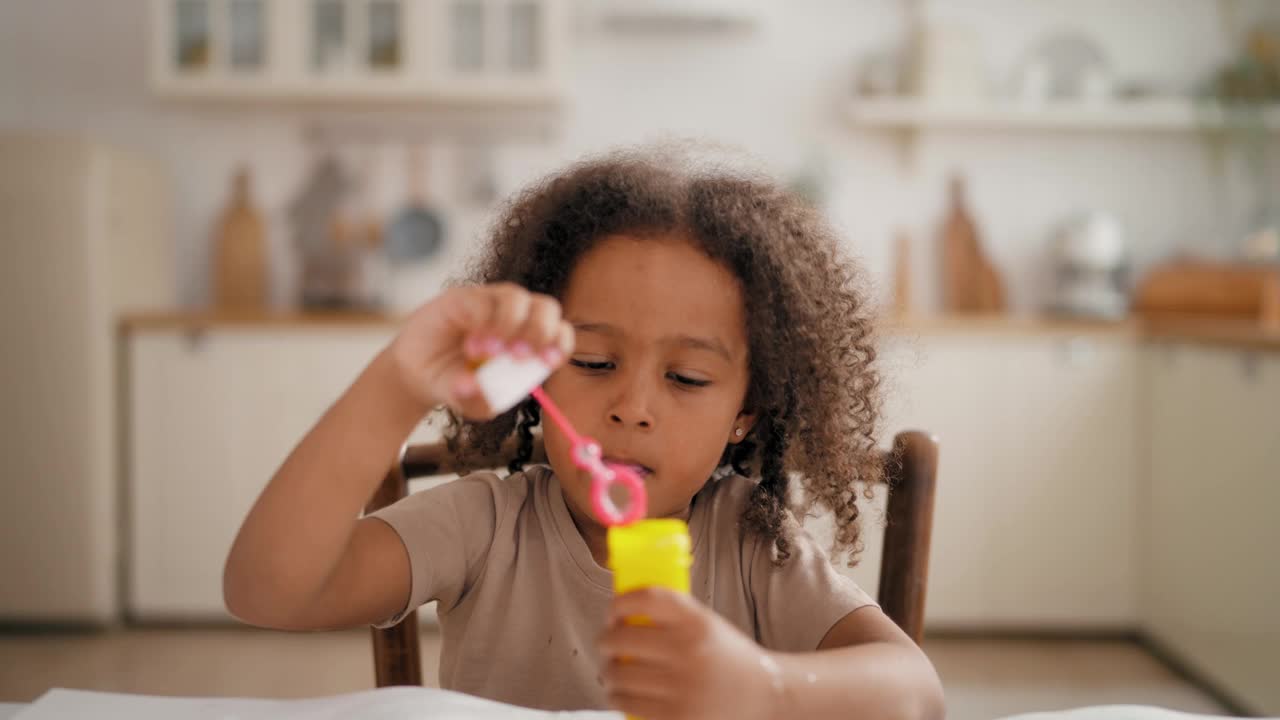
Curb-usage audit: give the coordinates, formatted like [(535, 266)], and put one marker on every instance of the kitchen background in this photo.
[(214, 210), (776, 81)]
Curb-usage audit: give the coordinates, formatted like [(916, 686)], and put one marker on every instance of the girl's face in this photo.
[(659, 371)]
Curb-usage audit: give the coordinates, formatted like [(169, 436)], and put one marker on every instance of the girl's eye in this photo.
[(687, 381), (598, 366), (593, 365)]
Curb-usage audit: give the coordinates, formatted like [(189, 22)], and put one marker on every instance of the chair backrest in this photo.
[(911, 470)]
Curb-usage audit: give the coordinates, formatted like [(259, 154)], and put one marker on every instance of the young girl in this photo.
[(708, 332)]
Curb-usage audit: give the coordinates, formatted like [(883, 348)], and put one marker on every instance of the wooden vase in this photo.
[(240, 276)]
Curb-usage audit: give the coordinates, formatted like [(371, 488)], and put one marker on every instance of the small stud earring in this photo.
[(738, 432)]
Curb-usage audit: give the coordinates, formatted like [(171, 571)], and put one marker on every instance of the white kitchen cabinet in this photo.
[(1038, 474), (465, 52), (1035, 521), (87, 236), (211, 416), (1211, 578)]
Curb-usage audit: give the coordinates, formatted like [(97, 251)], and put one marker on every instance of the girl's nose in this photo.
[(631, 408), (629, 417)]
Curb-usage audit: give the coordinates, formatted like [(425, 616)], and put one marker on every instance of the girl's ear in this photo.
[(741, 427)]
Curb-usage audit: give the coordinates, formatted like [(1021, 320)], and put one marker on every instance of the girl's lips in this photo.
[(641, 470)]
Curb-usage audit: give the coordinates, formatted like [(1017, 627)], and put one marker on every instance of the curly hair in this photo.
[(813, 381)]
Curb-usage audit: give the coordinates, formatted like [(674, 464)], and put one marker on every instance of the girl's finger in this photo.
[(471, 313), (542, 325), (660, 606), (465, 396), (641, 706), (640, 679), (464, 386), (470, 308), (510, 309), (556, 354), (638, 643)]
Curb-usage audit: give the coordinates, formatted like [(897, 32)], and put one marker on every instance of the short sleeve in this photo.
[(447, 531), (798, 601)]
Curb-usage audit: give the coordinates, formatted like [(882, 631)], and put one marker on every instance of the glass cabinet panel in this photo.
[(192, 36), (467, 36), (328, 34), (523, 49), (248, 34), (385, 46)]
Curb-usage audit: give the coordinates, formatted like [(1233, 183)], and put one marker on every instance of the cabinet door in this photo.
[(215, 46), (504, 48), (359, 48), (211, 418), (1034, 523), (1211, 579), (447, 51)]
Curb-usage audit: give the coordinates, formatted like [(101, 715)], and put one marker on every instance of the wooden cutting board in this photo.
[(970, 282)]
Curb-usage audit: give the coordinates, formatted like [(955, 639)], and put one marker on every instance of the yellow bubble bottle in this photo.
[(650, 553)]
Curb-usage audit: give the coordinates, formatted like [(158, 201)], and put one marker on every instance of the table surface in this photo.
[(1112, 712)]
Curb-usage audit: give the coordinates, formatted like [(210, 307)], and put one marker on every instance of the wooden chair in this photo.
[(911, 468)]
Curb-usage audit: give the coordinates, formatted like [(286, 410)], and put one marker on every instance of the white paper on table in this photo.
[(398, 703)]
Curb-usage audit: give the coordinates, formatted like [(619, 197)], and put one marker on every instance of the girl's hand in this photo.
[(441, 341), (688, 662)]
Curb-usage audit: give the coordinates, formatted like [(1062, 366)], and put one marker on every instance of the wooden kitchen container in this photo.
[(1237, 291), (240, 251)]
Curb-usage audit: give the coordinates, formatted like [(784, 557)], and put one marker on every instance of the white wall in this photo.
[(79, 65)]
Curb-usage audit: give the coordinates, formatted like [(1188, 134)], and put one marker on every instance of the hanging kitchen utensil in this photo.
[(477, 184), (313, 212), (371, 273), (417, 232)]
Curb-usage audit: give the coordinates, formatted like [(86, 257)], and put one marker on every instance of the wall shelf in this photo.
[(675, 15), (467, 53), (1158, 114)]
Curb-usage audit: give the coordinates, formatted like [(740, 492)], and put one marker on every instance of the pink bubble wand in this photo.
[(586, 454)]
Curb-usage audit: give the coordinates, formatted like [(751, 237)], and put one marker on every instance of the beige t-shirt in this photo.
[(522, 602)]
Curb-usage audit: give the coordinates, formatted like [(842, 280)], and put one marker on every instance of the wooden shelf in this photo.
[(1231, 333), (1224, 332), (1158, 114), (1007, 324), (198, 320), (377, 92)]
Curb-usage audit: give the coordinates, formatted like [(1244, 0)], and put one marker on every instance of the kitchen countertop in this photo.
[(1198, 330), (1005, 324), (1212, 332), (1222, 333), (196, 320)]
